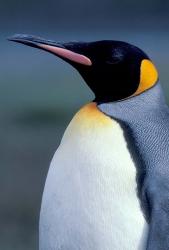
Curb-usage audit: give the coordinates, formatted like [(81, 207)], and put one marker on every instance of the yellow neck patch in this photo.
[(91, 116), (148, 76)]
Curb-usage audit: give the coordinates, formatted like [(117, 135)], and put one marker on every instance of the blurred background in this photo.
[(39, 93)]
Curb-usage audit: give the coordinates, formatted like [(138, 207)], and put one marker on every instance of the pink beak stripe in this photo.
[(67, 54)]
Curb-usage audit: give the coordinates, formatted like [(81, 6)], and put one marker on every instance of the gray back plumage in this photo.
[(145, 122)]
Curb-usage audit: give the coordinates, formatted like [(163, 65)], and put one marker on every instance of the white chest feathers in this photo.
[(90, 200)]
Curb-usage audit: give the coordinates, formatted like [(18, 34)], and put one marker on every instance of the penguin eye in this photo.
[(116, 57), (148, 76)]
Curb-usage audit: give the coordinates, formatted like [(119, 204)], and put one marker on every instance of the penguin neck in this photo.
[(145, 122)]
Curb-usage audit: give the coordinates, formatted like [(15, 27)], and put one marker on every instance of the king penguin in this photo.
[(108, 183)]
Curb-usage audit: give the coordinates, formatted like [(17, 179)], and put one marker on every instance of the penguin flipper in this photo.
[(158, 196)]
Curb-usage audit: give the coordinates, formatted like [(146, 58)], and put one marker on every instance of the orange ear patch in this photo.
[(148, 76)]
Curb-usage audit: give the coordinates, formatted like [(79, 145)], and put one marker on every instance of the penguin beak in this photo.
[(66, 51)]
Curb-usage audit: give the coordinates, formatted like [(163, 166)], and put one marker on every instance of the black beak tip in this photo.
[(12, 38), (33, 41), (18, 38), (24, 39)]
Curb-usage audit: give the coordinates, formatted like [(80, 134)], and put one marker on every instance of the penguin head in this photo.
[(114, 70)]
